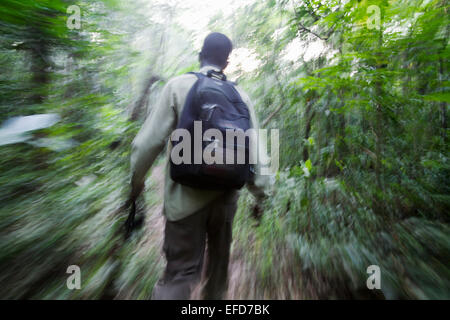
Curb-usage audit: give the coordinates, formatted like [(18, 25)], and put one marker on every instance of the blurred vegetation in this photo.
[(362, 114)]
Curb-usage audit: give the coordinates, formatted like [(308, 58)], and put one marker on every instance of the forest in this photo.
[(358, 89)]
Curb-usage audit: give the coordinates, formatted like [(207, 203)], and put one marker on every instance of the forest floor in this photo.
[(243, 282)]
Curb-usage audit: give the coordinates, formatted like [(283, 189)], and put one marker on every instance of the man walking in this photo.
[(194, 217)]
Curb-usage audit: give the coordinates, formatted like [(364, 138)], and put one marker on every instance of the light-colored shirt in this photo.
[(180, 201)]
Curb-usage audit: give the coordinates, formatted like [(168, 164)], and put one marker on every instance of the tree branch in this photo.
[(266, 121), (302, 27)]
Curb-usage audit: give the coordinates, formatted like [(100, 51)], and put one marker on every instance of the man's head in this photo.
[(216, 49)]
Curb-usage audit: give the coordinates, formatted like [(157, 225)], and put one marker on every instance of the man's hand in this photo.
[(136, 189), (257, 212), (131, 223)]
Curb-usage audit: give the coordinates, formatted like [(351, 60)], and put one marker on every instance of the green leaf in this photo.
[(438, 97), (308, 164)]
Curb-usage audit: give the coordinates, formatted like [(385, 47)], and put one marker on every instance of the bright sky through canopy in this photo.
[(195, 15)]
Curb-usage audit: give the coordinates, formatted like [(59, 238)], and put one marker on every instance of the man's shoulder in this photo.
[(182, 79)]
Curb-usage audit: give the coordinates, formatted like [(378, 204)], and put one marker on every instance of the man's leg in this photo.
[(219, 230), (184, 246)]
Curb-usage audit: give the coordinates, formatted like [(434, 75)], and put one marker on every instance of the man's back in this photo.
[(179, 201)]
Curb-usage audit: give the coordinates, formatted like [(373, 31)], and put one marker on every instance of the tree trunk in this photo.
[(39, 68), (142, 102)]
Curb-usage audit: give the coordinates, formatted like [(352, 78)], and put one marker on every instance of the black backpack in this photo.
[(217, 104)]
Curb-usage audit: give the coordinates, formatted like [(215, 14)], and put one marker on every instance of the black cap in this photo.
[(216, 49)]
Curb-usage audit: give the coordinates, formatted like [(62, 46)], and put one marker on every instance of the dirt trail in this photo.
[(243, 284), (154, 221), (243, 280), (150, 243)]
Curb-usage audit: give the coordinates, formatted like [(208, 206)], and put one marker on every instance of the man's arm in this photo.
[(151, 139)]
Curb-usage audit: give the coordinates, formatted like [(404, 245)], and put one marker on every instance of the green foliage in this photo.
[(61, 189), (362, 114), (364, 146)]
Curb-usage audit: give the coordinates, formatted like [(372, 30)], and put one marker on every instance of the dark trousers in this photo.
[(184, 247)]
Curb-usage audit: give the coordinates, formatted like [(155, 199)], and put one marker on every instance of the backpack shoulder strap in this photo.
[(188, 112), (211, 74), (197, 74)]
